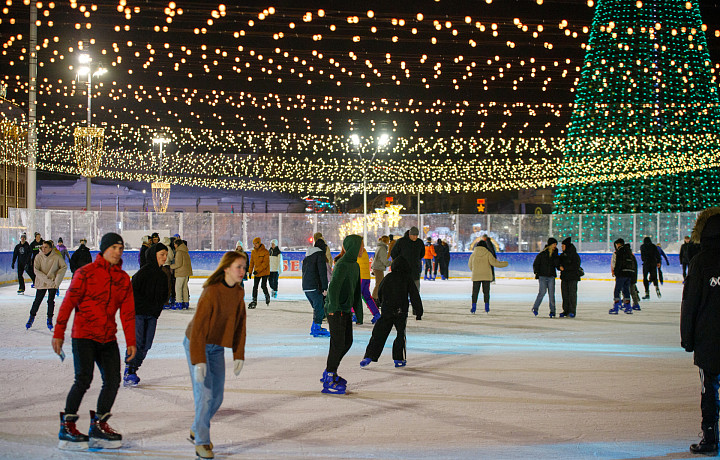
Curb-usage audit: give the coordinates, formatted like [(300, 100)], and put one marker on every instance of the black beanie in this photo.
[(108, 240), (551, 240), (567, 241)]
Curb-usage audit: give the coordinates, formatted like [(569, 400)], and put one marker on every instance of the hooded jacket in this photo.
[(412, 251), (49, 270), (700, 310), (314, 269), (380, 261), (97, 291), (649, 252), (429, 251), (481, 261), (344, 288), (182, 265), (260, 261), (80, 258), (396, 287), (150, 286), (570, 262), (276, 258), (624, 263), (22, 254)]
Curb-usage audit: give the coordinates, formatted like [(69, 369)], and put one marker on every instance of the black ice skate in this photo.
[(100, 433), (252, 304), (657, 291), (709, 442), (69, 437)]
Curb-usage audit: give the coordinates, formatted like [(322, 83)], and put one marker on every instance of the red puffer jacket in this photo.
[(96, 293)]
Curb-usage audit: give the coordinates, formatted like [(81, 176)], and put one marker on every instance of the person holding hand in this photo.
[(219, 323)]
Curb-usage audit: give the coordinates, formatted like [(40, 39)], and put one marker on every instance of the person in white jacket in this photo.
[(276, 266), (50, 270), (380, 263), (481, 262)]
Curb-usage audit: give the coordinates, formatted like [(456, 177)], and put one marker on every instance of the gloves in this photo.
[(238, 365), (255, 272), (12, 267), (200, 371)]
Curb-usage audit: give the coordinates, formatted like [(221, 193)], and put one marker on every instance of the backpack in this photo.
[(625, 261)]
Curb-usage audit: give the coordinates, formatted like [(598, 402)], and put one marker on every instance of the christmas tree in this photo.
[(645, 131)]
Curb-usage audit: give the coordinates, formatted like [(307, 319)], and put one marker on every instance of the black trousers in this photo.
[(476, 290), (685, 267), (444, 268), (380, 333), (87, 353), (39, 296), (428, 267), (264, 280), (341, 338), (21, 270), (568, 289), (438, 264), (709, 402), (649, 276), (273, 280)]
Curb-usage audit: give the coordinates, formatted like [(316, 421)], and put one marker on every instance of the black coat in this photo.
[(439, 252), (570, 262), (688, 251), (150, 287), (314, 270), (396, 287), (35, 247), (80, 258), (700, 311), (649, 253), (22, 254), (412, 251), (545, 263), (626, 263)]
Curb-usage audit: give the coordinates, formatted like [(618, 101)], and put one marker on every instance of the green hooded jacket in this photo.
[(344, 289)]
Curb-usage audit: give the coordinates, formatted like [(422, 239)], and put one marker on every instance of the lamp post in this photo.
[(382, 141), (85, 69)]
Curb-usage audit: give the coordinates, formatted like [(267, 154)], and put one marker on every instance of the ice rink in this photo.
[(499, 385)]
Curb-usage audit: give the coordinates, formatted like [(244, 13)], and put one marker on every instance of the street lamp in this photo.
[(86, 69), (382, 141)]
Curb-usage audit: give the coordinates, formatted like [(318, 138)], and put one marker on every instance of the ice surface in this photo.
[(503, 385)]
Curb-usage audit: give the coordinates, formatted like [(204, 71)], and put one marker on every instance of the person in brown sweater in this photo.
[(260, 269), (219, 323)]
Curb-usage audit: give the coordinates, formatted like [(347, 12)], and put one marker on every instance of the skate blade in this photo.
[(96, 443), (332, 391), (70, 445)]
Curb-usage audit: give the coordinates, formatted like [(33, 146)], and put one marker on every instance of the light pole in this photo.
[(85, 69), (382, 141)]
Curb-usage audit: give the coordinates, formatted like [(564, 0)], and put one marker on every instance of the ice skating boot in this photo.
[(130, 378), (627, 308), (552, 314), (176, 306), (473, 308), (316, 330), (636, 307), (19, 292), (709, 442), (375, 317), (100, 433), (615, 308), (334, 384), (69, 437), (267, 300), (365, 362), (425, 277), (252, 304), (646, 296), (274, 294), (534, 312), (49, 323), (167, 306), (400, 362), (657, 291), (204, 451), (487, 307), (30, 322), (186, 305)]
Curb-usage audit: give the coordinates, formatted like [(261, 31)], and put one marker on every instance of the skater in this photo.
[(343, 297), (219, 323), (315, 285), (480, 263), (364, 263), (276, 267), (393, 294), (168, 243), (80, 257), (391, 244), (650, 262), (439, 255), (429, 258), (50, 269), (328, 255), (22, 255), (380, 264), (445, 264), (684, 256), (569, 278), (183, 271), (63, 250), (491, 247), (260, 269), (96, 293), (544, 266), (661, 255), (241, 249), (35, 250), (413, 250), (150, 292), (623, 267), (700, 323), (143, 250)]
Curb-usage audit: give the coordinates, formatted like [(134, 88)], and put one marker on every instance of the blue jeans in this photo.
[(318, 304), (547, 283), (145, 326), (622, 283), (208, 395)]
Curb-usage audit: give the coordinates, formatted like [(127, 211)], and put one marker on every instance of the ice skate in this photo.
[(487, 307), (646, 296), (709, 442), (657, 291), (365, 362), (30, 322), (204, 451), (333, 384), (627, 308), (316, 330), (400, 362), (267, 300), (101, 435), (19, 292), (375, 317), (69, 437), (252, 304), (130, 378), (535, 312), (473, 308), (562, 315), (49, 323), (325, 378), (571, 315), (615, 308), (191, 438), (552, 314), (636, 307)]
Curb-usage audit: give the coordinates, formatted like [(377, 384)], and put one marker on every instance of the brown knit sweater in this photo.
[(219, 320)]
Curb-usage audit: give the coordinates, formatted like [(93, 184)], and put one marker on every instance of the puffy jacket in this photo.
[(429, 251), (344, 288), (570, 262), (380, 261), (49, 270), (481, 261), (545, 263), (314, 270), (182, 265), (363, 261), (625, 263), (649, 253), (150, 286), (412, 251), (80, 258), (700, 310), (97, 291), (395, 289), (22, 254), (260, 261), (276, 258)]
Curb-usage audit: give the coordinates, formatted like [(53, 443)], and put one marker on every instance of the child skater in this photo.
[(343, 296), (364, 263), (219, 323), (481, 263), (393, 293)]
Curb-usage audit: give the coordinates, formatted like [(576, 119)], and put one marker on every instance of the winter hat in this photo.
[(551, 240), (275, 242), (60, 240), (109, 239), (620, 241), (23, 236), (257, 240), (239, 245), (155, 235), (317, 236), (145, 239), (567, 241), (160, 247), (166, 241), (177, 235), (414, 231)]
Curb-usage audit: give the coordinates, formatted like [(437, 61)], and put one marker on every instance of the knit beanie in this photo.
[(551, 240), (257, 240), (567, 241), (108, 240)]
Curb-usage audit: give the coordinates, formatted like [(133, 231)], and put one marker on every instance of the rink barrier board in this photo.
[(596, 265)]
